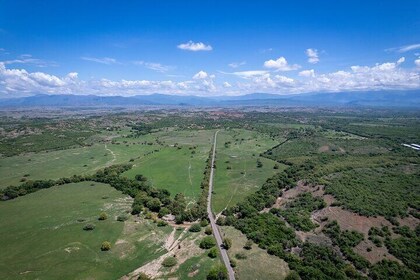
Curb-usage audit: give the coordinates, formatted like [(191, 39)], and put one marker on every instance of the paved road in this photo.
[(216, 232)]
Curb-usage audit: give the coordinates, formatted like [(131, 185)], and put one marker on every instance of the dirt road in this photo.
[(216, 232)]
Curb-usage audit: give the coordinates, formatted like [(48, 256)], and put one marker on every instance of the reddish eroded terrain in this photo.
[(346, 219)]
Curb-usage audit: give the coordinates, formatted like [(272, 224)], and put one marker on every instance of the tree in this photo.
[(103, 216), (208, 231), (204, 222), (195, 228), (169, 262), (106, 246), (154, 204), (227, 243), (293, 275), (212, 252), (207, 242), (218, 272)]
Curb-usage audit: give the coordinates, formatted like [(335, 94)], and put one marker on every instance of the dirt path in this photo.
[(216, 232), (153, 268), (114, 157)]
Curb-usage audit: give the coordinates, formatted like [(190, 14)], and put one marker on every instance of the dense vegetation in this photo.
[(297, 213)]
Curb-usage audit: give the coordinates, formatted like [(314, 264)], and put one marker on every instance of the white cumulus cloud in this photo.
[(312, 55), (280, 64), (191, 46), (307, 73)]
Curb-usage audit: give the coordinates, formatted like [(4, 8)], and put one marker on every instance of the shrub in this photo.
[(89, 227), (293, 275), (195, 228), (217, 272), (207, 242), (106, 246), (143, 276), (162, 223), (248, 245), (232, 263), (212, 252), (103, 216), (169, 262), (204, 223), (240, 256), (227, 243), (122, 218), (208, 231)]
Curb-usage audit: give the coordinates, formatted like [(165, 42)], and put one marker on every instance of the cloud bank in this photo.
[(381, 76)]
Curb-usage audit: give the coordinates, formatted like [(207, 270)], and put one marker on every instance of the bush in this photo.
[(217, 272), (169, 262), (208, 231), (204, 223), (248, 245), (143, 276), (240, 256), (227, 243), (232, 263), (195, 228), (122, 218), (103, 216), (106, 246), (212, 253), (207, 242), (293, 275), (88, 227), (162, 223)]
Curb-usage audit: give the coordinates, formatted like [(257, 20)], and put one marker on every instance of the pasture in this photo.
[(42, 235), (236, 173)]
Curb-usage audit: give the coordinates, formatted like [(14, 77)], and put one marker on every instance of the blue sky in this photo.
[(207, 47)]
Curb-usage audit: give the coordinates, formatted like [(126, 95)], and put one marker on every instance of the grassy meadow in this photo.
[(43, 237)]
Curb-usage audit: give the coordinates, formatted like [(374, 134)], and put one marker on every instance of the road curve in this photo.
[(216, 232)]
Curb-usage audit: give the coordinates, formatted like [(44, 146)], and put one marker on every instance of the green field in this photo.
[(258, 264), (241, 155), (176, 165), (41, 237)]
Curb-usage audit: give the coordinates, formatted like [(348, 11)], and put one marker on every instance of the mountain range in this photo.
[(409, 99)]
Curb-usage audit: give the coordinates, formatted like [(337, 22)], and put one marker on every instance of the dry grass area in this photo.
[(258, 263)]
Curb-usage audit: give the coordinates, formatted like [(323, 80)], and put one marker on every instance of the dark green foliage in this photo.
[(213, 252), (389, 270), (122, 218), (227, 243), (293, 275), (372, 192), (204, 222), (297, 212), (406, 248), (346, 240), (267, 230), (169, 262), (207, 242), (208, 231), (161, 223), (217, 272), (195, 228), (89, 227)]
